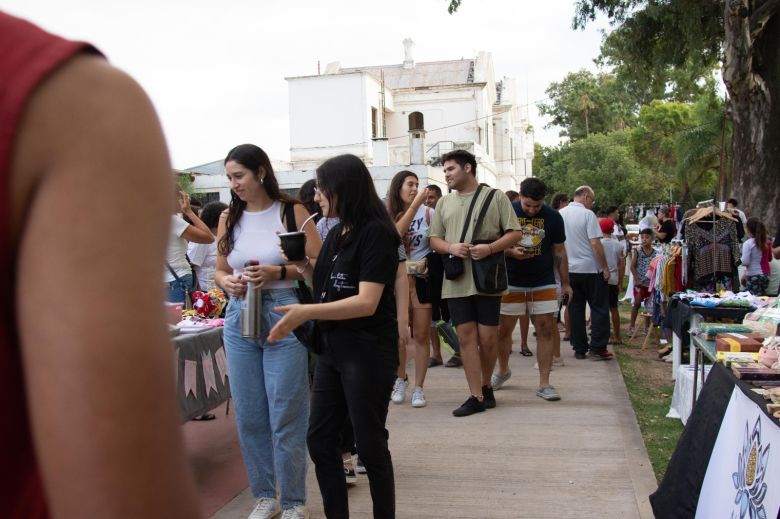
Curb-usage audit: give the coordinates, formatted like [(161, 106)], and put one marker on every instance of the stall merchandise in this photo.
[(201, 368), (713, 240)]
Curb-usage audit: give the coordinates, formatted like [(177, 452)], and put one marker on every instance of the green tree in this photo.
[(603, 161), (673, 45), (584, 103)]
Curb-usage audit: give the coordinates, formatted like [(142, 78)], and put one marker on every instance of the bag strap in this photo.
[(483, 212), (176, 277), (468, 215), (289, 216)]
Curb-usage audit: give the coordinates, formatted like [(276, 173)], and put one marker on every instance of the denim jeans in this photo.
[(593, 290), (176, 288), (354, 377), (269, 385)]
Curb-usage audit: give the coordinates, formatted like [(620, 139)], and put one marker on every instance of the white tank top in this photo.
[(419, 247), (254, 238)]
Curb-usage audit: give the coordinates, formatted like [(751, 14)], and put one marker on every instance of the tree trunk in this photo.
[(751, 71)]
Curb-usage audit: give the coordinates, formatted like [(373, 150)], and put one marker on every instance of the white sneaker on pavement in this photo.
[(296, 512), (497, 380), (418, 397), (399, 391), (266, 508)]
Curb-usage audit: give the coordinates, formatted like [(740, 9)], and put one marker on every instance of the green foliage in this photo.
[(584, 103), (184, 181), (602, 161), (659, 50), (453, 6)]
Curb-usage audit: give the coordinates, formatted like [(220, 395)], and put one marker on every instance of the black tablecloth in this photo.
[(679, 314), (192, 348), (678, 493)]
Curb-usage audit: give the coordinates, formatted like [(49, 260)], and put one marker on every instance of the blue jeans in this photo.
[(176, 288), (269, 385)]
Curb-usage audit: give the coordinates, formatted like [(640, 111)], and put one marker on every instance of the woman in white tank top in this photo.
[(405, 203), (268, 382)]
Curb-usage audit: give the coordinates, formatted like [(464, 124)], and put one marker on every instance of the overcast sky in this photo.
[(215, 70)]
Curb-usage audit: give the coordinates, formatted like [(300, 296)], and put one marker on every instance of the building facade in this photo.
[(403, 116)]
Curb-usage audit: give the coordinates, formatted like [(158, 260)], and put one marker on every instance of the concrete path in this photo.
[(580, 457)]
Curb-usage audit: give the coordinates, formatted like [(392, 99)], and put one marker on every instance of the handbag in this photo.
[(453, 265), (489, 273), (307, 333), (417, 267)]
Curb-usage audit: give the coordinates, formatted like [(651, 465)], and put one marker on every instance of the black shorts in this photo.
[(613, 296), (484, 310)]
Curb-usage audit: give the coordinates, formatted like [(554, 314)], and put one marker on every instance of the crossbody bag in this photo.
[(489, 273), (453, 265)]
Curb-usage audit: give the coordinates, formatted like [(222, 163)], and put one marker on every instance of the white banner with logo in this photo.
[(743, 474)]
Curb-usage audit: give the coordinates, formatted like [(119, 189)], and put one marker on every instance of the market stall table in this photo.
[(682, 313), (201, 369)]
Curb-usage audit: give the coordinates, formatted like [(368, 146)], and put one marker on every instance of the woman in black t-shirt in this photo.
[(353, 283)]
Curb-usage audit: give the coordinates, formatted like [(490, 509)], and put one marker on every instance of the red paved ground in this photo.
[(216, 460)]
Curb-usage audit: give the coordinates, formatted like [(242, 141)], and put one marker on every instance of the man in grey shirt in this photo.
[(588, 275)]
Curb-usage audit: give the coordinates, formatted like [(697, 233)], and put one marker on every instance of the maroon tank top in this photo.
[(27, 55)]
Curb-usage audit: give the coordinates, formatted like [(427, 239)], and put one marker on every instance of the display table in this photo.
[(682, 314), (201, 381), (706, 461)]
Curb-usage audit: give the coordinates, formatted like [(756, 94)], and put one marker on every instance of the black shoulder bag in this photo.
[(453, 265), (490, 272), (306, 333)]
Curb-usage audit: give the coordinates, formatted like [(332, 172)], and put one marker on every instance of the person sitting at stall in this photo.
[(756, 253)]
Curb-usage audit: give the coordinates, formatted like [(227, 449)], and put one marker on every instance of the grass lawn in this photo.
[(650, 388)]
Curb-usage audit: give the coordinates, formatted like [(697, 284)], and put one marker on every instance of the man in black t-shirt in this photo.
[(665, 230), (531, 265)]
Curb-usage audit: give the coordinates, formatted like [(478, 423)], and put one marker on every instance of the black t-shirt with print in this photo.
[(538, 270), (370, 255), (668, 227)]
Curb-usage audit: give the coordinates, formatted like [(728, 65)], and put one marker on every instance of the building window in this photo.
[(205, 198), (416, 121), (374, 122)]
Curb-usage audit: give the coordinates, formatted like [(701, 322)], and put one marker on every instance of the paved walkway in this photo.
[(580, 457)]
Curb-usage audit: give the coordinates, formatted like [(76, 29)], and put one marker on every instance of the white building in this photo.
[(404, 116)]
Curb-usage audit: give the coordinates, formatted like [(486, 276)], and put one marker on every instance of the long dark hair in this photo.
[(350, 190), (306, 196), (255, 160), (395, 204), (757, 228)]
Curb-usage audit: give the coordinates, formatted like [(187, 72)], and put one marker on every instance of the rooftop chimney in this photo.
[(408, 60)]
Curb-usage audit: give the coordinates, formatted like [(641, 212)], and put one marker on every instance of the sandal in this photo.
[(204, 417), (525, 352)]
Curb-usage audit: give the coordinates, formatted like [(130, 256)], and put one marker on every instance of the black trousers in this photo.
[(593, 290), (354, 378)]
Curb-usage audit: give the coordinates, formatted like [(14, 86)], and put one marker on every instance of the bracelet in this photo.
[(283, 271), (302, 269)]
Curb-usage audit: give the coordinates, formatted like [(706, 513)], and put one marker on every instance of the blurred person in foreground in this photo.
[(91, 425)]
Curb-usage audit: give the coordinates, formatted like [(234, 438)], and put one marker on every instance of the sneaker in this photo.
[(602, 355), (489, 399), (454, 362), (433, 362), (497, 379), (296, 512), (399, 391), (579, 355), (349, 474), (469, 407), (266, 508), (548, 393), (558, 362), (359, 467), (418, 397)]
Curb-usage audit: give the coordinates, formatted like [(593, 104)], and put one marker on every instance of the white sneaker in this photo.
[(266, 508), (399, 391), (497, 380), (418, 397), (296, 512), (558, 361)]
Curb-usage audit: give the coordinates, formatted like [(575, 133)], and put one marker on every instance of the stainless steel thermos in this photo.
[(251, 308)]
